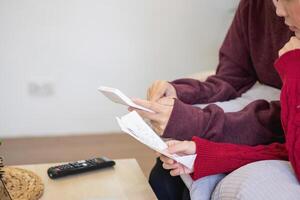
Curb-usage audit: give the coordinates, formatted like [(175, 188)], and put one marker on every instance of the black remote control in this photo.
[(79, 167)]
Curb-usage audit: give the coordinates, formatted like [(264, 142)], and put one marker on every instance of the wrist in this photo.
[(183, 122), (186, 90)]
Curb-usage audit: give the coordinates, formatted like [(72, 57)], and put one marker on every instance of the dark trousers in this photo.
[(165, 186)]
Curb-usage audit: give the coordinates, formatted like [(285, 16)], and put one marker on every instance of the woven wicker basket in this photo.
[(22, 184)]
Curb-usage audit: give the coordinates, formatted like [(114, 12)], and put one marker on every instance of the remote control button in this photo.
[(98, 160)]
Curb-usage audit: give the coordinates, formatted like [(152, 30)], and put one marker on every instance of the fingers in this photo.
[(172, 142), (157, 127), (168, 163), (294, 39), (286, 48), (162, 112), (148, 104), (293, 43), (171, 166), (157, 90), (180, 147), (158, 106), (166, 101), (183, 148), (166, 160), (153, 117), (176, 169), (281, 52), (147, 115)]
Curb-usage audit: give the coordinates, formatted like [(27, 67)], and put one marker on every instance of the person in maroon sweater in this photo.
[(213, 158), (246, 56)]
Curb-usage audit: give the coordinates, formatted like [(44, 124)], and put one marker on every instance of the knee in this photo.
[(256, 181), (203, 188), (156, 176), (164, 185), (159, 177)]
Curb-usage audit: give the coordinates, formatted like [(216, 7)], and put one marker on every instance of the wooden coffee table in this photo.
[(124, 181)]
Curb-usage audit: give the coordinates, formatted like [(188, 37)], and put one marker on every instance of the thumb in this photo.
[(182, 148), (155, 96)]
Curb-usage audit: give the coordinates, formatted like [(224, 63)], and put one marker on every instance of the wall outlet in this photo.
[(45, 89)]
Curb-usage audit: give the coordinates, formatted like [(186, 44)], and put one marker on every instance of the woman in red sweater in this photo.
[(215, 158)]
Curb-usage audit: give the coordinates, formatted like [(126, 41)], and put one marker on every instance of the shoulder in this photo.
[(257, 7)]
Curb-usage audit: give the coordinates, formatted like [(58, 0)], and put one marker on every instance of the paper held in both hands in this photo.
[(133, 124)]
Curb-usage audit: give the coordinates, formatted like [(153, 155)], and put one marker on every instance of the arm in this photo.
[(257, 123), (288, 66), (214, 158), (235, 72), (235, 75), (252, 126)]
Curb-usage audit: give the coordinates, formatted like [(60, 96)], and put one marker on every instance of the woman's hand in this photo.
[(160, 89), (293, 43), (162, 108), (180, 148)]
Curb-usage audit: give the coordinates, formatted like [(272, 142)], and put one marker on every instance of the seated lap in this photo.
[(270, 179)]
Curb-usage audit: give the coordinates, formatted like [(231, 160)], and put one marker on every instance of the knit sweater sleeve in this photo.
[(288, 67), (214, 158), (235, 73), (258, 123)]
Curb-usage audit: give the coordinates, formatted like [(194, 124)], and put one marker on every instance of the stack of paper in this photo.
[(133, 124)]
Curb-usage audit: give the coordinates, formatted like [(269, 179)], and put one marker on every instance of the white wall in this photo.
[(55, 53)]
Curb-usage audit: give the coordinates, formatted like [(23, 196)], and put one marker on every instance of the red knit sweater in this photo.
[(214, 158)]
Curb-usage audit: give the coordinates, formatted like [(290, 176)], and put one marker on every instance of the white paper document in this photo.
[(133, 124), (117, 96)]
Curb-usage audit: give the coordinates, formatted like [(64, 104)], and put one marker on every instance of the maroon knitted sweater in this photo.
[(246, 56)]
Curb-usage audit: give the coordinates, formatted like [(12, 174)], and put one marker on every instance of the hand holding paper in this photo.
[(162, 108), (117, 96), (180, 148), (135, 126)]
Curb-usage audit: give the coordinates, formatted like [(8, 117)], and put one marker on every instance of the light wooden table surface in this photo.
[(124, 181)]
